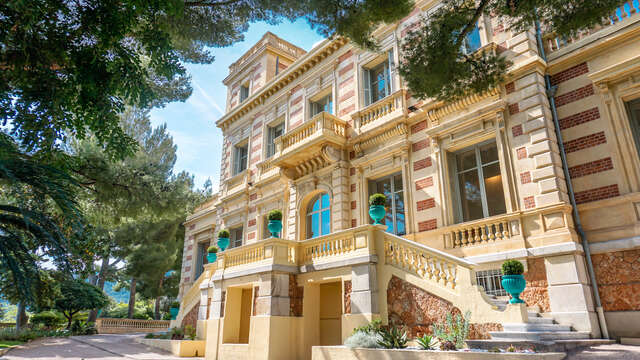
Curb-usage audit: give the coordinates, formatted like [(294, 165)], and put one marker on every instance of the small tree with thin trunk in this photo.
[(76, 296)]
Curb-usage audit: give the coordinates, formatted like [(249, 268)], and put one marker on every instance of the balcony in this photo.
[(311, 146), (381, 112), (623, 16)]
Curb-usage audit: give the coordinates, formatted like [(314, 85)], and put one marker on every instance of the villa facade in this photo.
[(469, 184)]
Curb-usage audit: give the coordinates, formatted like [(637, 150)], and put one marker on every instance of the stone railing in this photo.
[(318, 125), (327, 247), (269, 251), (394, 103), (122, 326), (192, 296), (627, 10), (481, 231)]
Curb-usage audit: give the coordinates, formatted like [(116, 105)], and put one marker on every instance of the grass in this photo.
[(6, 343)]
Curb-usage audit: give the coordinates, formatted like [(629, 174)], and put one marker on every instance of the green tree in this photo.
[(77, 295), (436, 63)]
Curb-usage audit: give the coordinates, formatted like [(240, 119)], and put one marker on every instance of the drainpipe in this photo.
[(551, 90)]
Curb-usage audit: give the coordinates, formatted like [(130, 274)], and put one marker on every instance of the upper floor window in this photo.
[(478, 182), (324, 104), (244, 92), (319, 216), (377, 80), (472, 41), (391, 187), (201, 258), (235, 237), (633, 107), (240, 158), (272, 133)]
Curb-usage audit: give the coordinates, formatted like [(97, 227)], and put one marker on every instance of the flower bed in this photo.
[(345, 353)]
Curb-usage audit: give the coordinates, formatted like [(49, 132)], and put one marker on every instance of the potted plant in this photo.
[(223, 239), (212, 254), (174, 309), (376, 208), (512, 280), (275, 223)]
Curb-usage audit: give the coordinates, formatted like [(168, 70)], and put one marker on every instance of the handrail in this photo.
[(131, 323), (192, 296), (459, 261)]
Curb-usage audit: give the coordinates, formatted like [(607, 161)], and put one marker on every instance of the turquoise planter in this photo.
[(223, 243), (275, 227), (514, 285), (212, 257), (377, 213), (174, 312)]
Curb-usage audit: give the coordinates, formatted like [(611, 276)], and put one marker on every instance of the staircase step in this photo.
[(539, 346), (541, 320), (533, 313), (536, 327), (539, 335)]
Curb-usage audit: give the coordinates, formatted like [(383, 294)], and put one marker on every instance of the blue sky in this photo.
[(192, 123)]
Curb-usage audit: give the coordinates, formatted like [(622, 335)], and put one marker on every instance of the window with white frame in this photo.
[(472, 41), (235, 237), (273, 131), (477, 179), (633, 109), (240, 154), (244, 92), (319, 216), (323, 104), (391, 187), (377, 80)]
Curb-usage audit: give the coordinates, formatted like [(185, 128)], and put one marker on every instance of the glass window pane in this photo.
[(316, 204), (397, 182), (494, 190), (488, 153), (326, 222), (472, 41), (313, 225), (470, 196), (325, 201), (466, 160)]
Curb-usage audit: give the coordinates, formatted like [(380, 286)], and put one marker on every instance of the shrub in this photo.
[(26, 335), (275, 215), (452, 331), (175, 304), (223, 233), (377, 199), (373, 327), (448, 346), (212, 249), (393, 338), (512, 267), (47, 319), (364, 339), (427, 342), (149, 336), (177, 333), (190, 332), (81, 328)]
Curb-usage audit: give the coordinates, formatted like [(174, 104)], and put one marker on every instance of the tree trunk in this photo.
[(21, 316), (102, 277), (132, 298), (156, 310)]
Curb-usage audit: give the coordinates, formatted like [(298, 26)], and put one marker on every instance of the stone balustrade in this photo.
[(269, 251), (123, 326), (192, 296), (328, 247), (627, 10), (481, 231), (321, 124), (392, 104)]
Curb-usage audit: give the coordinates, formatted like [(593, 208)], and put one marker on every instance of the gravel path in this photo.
[(103, 347)]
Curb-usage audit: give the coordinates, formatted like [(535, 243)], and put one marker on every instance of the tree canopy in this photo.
[(77, 295)]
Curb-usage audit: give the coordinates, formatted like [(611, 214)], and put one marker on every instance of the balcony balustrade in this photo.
[(389, 108), (483, 231)]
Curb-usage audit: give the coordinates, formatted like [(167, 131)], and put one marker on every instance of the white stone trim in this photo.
[(615, 245), (566, 247)]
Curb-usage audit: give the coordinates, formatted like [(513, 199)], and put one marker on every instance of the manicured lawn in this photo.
[(6, 344)]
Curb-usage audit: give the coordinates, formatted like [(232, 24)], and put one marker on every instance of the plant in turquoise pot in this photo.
[(212, 254), (223, 239), (376, 208), (174, 309), (512, 280), (275, 223)]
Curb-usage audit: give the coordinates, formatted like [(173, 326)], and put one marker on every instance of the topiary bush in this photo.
[(175, 304), (212, 249), (512, 267), (275, 215), (377, 199), (224, 233)]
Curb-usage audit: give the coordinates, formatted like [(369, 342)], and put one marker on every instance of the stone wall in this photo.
[(347, 297), (536, 292), (417, 310), (192, 317), (296, 294), (618, 276)]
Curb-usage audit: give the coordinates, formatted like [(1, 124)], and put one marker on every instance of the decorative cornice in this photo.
[(436, 114)]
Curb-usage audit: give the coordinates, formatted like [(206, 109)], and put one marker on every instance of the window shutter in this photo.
[(366, 87)]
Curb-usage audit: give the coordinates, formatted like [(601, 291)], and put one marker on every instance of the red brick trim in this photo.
[(579, 118), (345, 69), (521, 152), (257, 125), (574, 95), (419, 145), (604, 192), (251, 236), (426, 204), (424, 183), (251, 222), (529, 202), (514, 109), (296, 101), (296, 112), (348, 95), (585, 142), (517, 130), (353, 187), (422, 164), (589, 168), (510, 87), (347, 110), (525, 177), (353, 205), (345, 82), (253, 196), (570, 73), (354, 223), (418, 127), (428, 225), (345, 56), (352, 171)]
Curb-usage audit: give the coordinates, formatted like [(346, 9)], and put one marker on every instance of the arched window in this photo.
[(319, 216)]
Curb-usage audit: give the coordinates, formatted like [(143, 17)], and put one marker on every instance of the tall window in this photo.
[(240, 158), (377, 80), (235, 239), (472, 41), (319, 216), (633, 107), (478, 182), (324, 104), (244, 92), (201, 260), (272, 133), (391, 187)]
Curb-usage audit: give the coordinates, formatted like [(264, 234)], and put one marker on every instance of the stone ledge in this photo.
[(345, 353), (181, 348)]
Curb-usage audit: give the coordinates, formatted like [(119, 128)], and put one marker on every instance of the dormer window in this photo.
[(244, 92), (377, 80)]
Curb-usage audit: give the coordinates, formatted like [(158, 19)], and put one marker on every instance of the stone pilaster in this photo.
[(364, 289), (273, 295), (341, 208)]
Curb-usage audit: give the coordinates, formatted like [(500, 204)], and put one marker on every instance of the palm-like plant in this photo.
[(393, 338)]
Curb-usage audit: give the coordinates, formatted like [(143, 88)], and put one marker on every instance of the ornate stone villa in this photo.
[(468, 183)]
